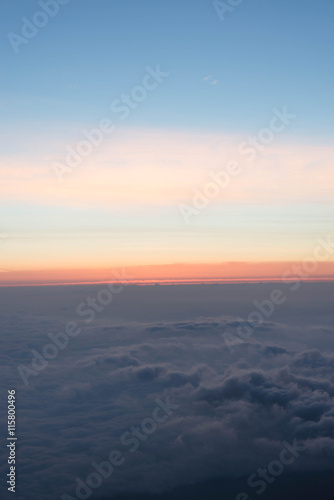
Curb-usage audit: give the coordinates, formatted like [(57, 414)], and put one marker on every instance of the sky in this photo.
[(166, 137), (182, 142)]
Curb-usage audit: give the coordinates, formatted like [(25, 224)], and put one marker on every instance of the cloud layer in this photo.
[(234, 411), (162, 168)]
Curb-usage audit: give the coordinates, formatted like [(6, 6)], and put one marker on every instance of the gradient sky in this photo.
[(121, 205)]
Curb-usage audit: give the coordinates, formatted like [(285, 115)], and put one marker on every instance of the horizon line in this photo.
[(181, 281)]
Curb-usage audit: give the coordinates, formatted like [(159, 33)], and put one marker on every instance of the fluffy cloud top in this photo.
[(234, 411)]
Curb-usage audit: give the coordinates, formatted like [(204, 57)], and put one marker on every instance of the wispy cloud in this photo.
[(143, 168), (210, 79)]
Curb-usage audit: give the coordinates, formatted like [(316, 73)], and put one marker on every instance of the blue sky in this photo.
[(224, 82), (263, 54)]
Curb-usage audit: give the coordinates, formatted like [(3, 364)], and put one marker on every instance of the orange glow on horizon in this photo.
[(238, 271)]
